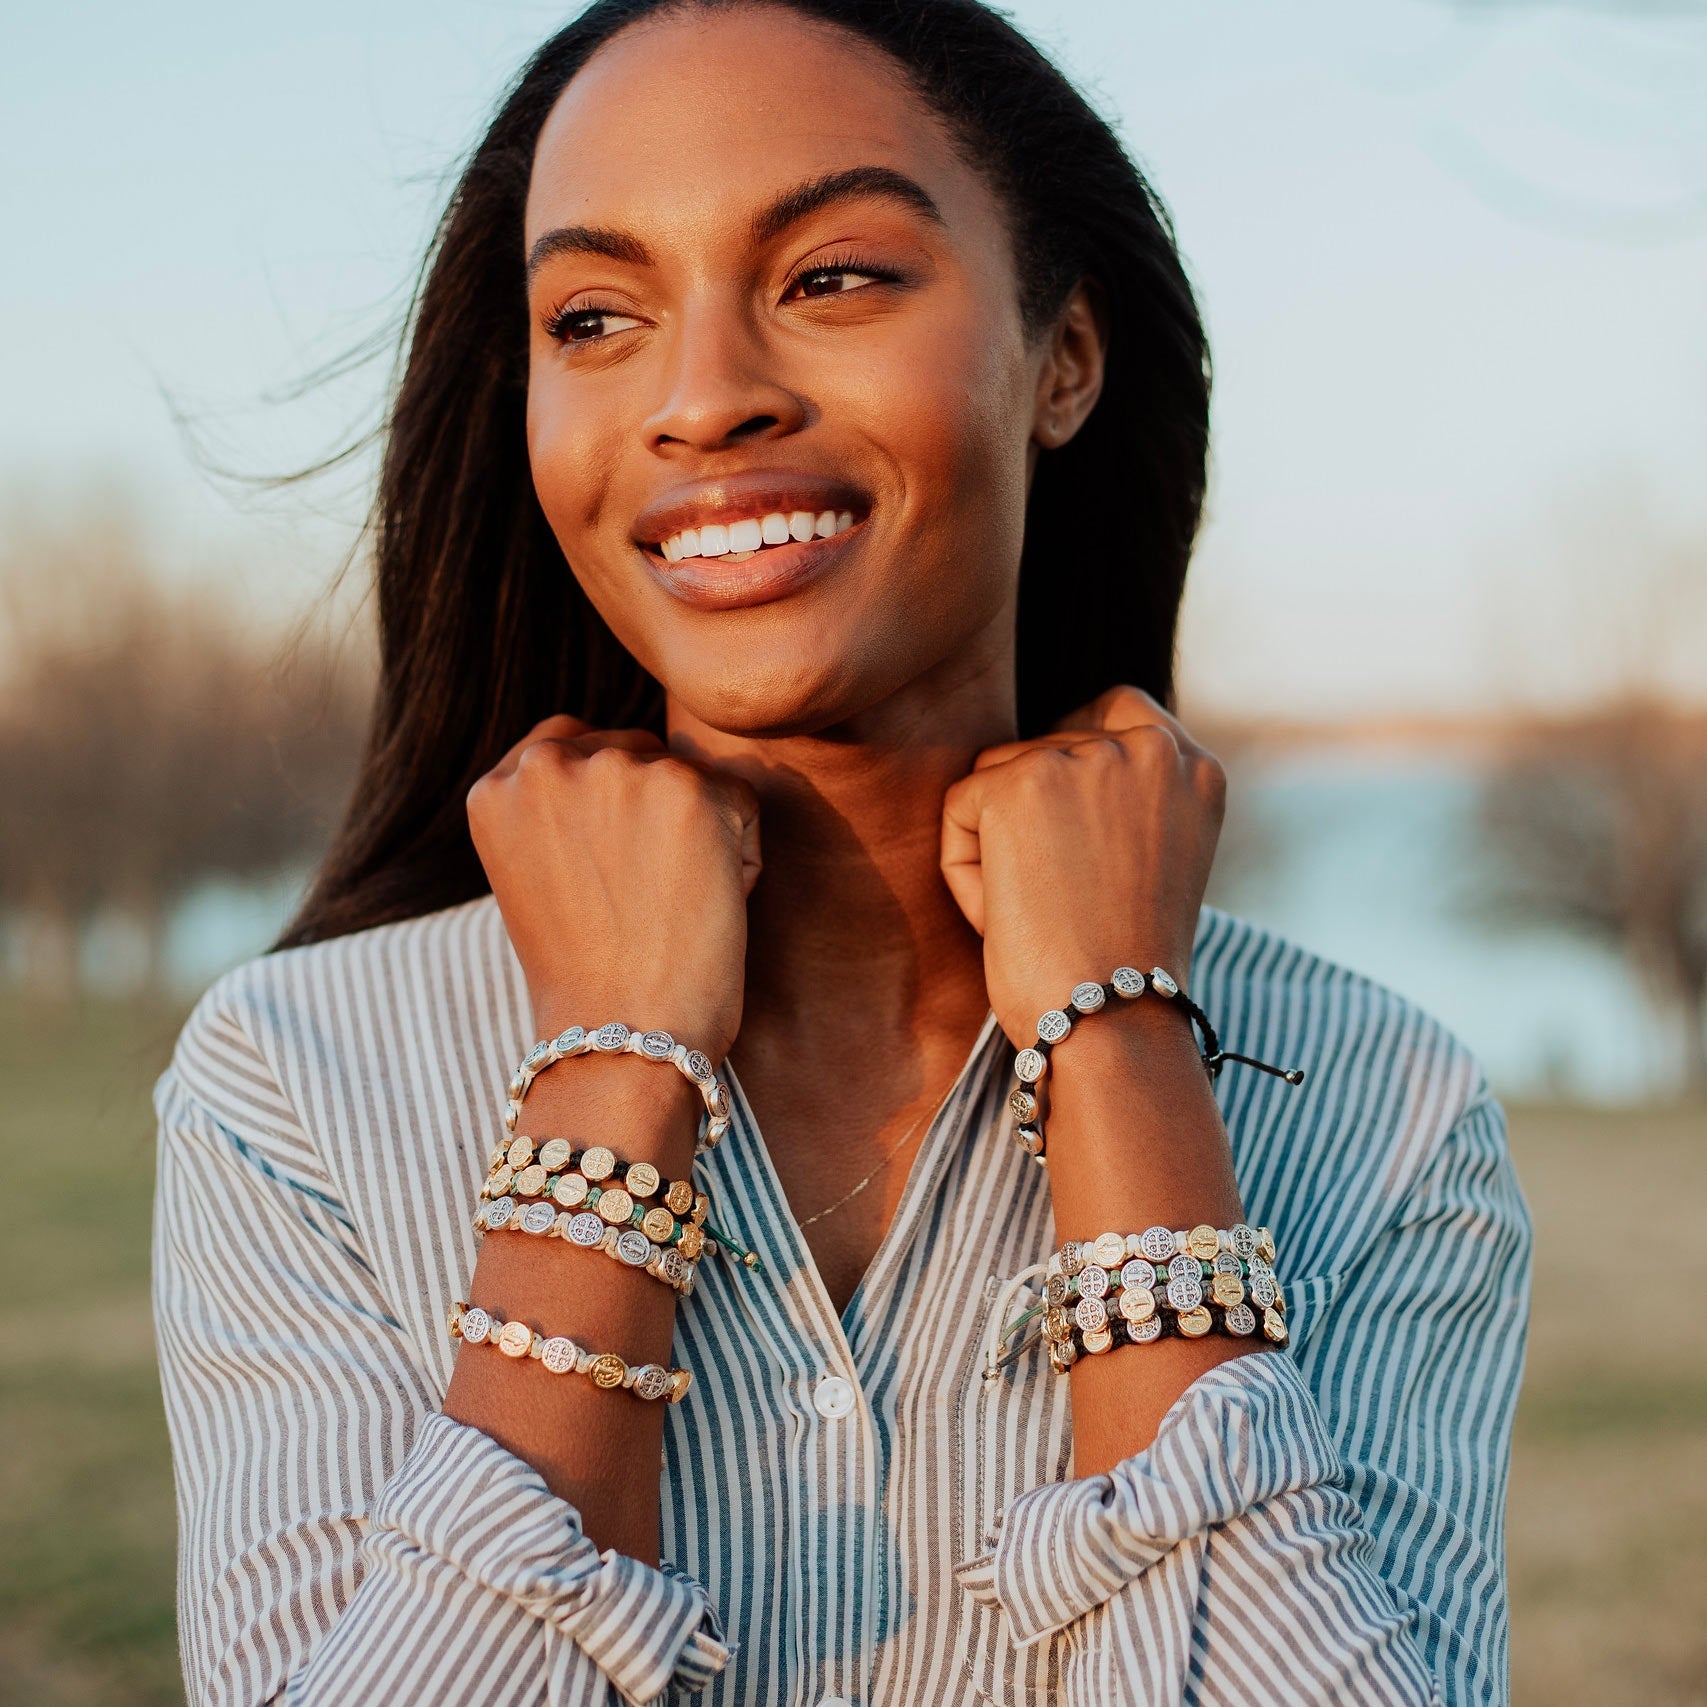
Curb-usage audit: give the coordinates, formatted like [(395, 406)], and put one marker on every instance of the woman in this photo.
[(807, 397)]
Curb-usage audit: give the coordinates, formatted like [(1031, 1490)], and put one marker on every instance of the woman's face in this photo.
[(774, 322)]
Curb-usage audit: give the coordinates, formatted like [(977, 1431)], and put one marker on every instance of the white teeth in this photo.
[(744, 539)]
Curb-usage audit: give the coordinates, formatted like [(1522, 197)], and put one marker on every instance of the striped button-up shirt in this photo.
[(851, 1513)]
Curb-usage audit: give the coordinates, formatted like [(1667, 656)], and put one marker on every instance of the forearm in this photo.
[(1135, 1139), (599, 1450)]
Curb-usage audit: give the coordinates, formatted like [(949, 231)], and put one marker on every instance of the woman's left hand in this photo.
[(1085, 849)]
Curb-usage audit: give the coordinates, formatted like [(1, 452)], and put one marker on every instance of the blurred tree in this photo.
[(149, 739), (1598, 823)]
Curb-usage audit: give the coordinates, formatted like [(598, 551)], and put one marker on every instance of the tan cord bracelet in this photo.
[(562, 1356)]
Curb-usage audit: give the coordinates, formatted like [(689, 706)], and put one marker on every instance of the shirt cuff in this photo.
[(1246, 1431), (462, 1496)]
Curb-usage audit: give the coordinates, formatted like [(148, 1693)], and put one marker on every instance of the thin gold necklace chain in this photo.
[(889, 1155)]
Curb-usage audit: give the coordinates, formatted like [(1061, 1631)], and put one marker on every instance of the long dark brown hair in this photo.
[(483, 628)]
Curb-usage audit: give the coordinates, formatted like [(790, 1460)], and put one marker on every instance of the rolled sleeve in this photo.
[(460, 1497), (1243, 1433)]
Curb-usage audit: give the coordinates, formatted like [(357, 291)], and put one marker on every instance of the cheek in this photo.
[(573, 453)]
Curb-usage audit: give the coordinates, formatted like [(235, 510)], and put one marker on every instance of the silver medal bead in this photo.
[(564, 1041), (633, 1247), (476, 1325), (1030, 1065), (585, 1229), (1241, 1319), (1227, 1263), (535, 1058), (1087, 997), (1090, 1314), (611, 1037), (538, 1218), (657, 1045), (651, 1381), (1072, 1258), (558, 1355), (499, 1211), (1243, 1239), (1263, 1289), (1158, 1243), (1055, 1289), (1165, 986), (671, 1266), (1024, 1105), (1029, 1140), (1127, 980), (1185, 1293), (700, 1067), (1053, 1026), (1093, 1281), (1138, 1272), (1141, 1333)]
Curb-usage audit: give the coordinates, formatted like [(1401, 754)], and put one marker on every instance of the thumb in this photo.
[(962, 857)]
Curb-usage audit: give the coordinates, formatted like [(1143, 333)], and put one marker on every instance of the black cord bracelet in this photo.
[(1031, 1064)]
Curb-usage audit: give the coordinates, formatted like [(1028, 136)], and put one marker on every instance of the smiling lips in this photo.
[(738, 540)]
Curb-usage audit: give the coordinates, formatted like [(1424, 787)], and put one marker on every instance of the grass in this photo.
[(1608, 1512)]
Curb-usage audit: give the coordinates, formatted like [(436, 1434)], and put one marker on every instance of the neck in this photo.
[(852, 933)]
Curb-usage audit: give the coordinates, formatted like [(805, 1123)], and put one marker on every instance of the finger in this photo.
[(1004, 752), (742, 798), (561, 727), (1122, 707), (961, 857)]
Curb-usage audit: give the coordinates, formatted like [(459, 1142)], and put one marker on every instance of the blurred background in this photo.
[(1447, 627)]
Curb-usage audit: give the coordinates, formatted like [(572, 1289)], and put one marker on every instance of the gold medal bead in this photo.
[(641, 1179), (520, 1152), (1227, 1290), (1098, 1340), (554, 1153), (515, 1339), (530, 1182), (680, 1381), (1109, 1249), (614, 1206), (1194, 1324), (498, 1181), (1203, 1242), (1137, 1303), (598, 1164), (701, 1208), (691, 1243), (1057, 1324), (569, 1190), (607, 1370), (679, 1198), (1265, 1244), (1274, 1326), (658, 1224), (500, 1155)]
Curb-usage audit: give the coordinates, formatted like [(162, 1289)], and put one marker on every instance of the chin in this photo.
[(787, 692)]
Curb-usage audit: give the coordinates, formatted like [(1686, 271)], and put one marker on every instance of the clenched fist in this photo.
[(1085, 849), (622, 871)]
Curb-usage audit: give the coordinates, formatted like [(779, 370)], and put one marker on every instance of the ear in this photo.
[(1070, 379)]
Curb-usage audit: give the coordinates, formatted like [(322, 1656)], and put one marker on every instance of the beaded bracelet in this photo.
[(629, 1245), (1135, 1288), (574, 1180), (562, 1356), (615, 1038), (1031, 1064)]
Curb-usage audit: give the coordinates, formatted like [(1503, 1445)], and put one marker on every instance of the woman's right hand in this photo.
[(622, 871)]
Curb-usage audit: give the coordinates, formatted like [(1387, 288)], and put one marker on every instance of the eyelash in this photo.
[(558, 322)]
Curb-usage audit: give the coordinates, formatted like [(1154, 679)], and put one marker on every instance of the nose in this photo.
[(722, 387)]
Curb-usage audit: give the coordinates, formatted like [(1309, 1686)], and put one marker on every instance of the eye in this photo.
[(831, 278), (586, 325)]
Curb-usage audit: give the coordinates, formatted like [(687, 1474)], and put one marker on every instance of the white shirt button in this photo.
[(833, 1397)]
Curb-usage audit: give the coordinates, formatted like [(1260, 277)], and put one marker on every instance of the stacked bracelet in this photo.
[(557, 1173), (1031, 1065), (562, 1356), (615, 1038), (627, 1245), (1135, 1288)]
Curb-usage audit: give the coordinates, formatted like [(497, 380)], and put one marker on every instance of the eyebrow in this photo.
[(789, 208)]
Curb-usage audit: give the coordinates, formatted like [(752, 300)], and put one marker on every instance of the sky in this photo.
[(1452, 258)]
